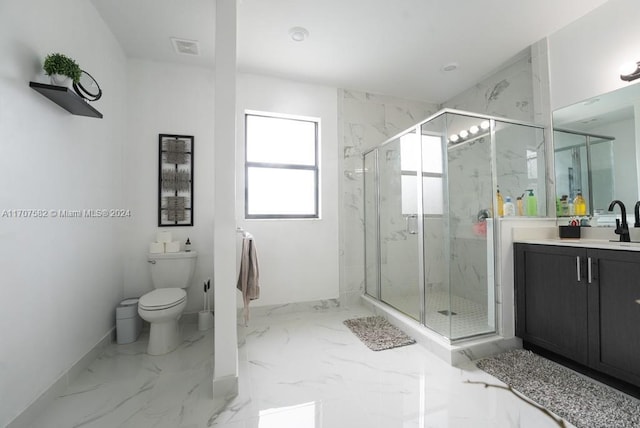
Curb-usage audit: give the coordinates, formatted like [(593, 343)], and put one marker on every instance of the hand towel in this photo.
[(248, 279)]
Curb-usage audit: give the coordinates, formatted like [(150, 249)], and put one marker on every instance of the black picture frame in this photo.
[(175, 180)]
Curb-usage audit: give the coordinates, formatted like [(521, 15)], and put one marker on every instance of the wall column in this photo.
[(225, 365)]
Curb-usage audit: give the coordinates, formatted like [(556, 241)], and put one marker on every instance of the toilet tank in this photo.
[(172, 270)]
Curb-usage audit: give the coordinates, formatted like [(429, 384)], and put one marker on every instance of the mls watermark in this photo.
[(66, 213)]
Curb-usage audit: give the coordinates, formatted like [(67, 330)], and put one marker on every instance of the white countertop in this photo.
[(585, 243)]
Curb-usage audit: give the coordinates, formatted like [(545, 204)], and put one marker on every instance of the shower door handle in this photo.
[(412, 224)]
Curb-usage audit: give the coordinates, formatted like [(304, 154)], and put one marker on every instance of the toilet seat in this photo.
[(162, 298)]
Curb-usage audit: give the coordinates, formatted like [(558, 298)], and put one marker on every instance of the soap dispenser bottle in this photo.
[(532, 204), (500, 203), (187, 245)]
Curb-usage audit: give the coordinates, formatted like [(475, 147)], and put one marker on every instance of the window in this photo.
[(410, 159), (281, 167)]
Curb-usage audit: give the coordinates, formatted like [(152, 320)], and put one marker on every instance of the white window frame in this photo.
[(285, 166)]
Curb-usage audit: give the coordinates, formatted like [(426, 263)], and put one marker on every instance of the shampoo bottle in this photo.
[(532, 204), (579, 205), (564, 205), (519, 206), (500, 204), (509, 208)]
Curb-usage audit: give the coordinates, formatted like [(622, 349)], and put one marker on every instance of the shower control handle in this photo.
[(412, 224)]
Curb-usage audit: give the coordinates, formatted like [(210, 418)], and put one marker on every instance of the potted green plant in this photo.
[(62, 69)]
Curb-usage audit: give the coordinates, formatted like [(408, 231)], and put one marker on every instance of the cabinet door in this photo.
[(614, 314), (551, 298)]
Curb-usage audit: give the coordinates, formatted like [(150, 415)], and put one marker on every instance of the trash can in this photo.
[(128, 322)]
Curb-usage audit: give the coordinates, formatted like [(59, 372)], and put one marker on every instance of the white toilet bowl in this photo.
[(171, 273), (162, 309)]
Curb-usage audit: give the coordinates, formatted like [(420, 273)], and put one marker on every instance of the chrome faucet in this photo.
[(636, 211), (622, 228)]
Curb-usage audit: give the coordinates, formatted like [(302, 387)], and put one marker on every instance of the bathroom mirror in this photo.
[(596, 151)]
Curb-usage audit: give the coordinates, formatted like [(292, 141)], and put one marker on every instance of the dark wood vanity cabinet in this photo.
[(581, 304)]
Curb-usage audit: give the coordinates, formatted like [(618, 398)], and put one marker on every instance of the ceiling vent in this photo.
[(186, 47)]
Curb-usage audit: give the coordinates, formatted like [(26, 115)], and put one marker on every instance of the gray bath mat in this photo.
[(377, 333), (581, 401)]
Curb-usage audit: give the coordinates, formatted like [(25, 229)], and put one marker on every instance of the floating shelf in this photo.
[(67, 99)]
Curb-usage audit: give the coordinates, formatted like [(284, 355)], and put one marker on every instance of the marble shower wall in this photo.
[(367, 120), (507, 93)]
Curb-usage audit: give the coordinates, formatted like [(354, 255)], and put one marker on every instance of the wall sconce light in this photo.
[(630, 71), (473, 131)]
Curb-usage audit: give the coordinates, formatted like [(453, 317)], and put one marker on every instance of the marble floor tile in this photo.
[(298, 369)]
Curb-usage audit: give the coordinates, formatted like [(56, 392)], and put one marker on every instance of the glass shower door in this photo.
[(399, 226), (371, 240)]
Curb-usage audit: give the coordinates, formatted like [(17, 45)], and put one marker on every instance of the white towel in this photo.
[(248, 279)]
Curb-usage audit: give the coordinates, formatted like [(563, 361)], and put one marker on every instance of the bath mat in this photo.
[(579, 400), (377, 333)]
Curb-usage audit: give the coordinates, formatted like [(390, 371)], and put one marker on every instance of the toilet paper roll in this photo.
[(172, 247), (163, 236), (156, 248)]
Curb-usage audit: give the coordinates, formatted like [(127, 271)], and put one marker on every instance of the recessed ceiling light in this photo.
[(298, 34), (452, 66), (185, 47)]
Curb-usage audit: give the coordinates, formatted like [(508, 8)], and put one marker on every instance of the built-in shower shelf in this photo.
[(67, 99)]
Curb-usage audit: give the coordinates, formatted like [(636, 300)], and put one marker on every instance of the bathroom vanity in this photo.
[(580, 299)]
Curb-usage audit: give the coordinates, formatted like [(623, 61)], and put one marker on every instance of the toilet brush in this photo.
[(204, 297), (207, 286), (205, 317)]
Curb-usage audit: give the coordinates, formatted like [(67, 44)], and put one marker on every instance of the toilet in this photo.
[(171, 274)]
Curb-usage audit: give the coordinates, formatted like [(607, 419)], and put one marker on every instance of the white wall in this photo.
[(298, 258), (585, 56), (61, 277), (166, 98)]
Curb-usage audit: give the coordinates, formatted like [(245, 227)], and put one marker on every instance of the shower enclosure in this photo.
[(430, 206)]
